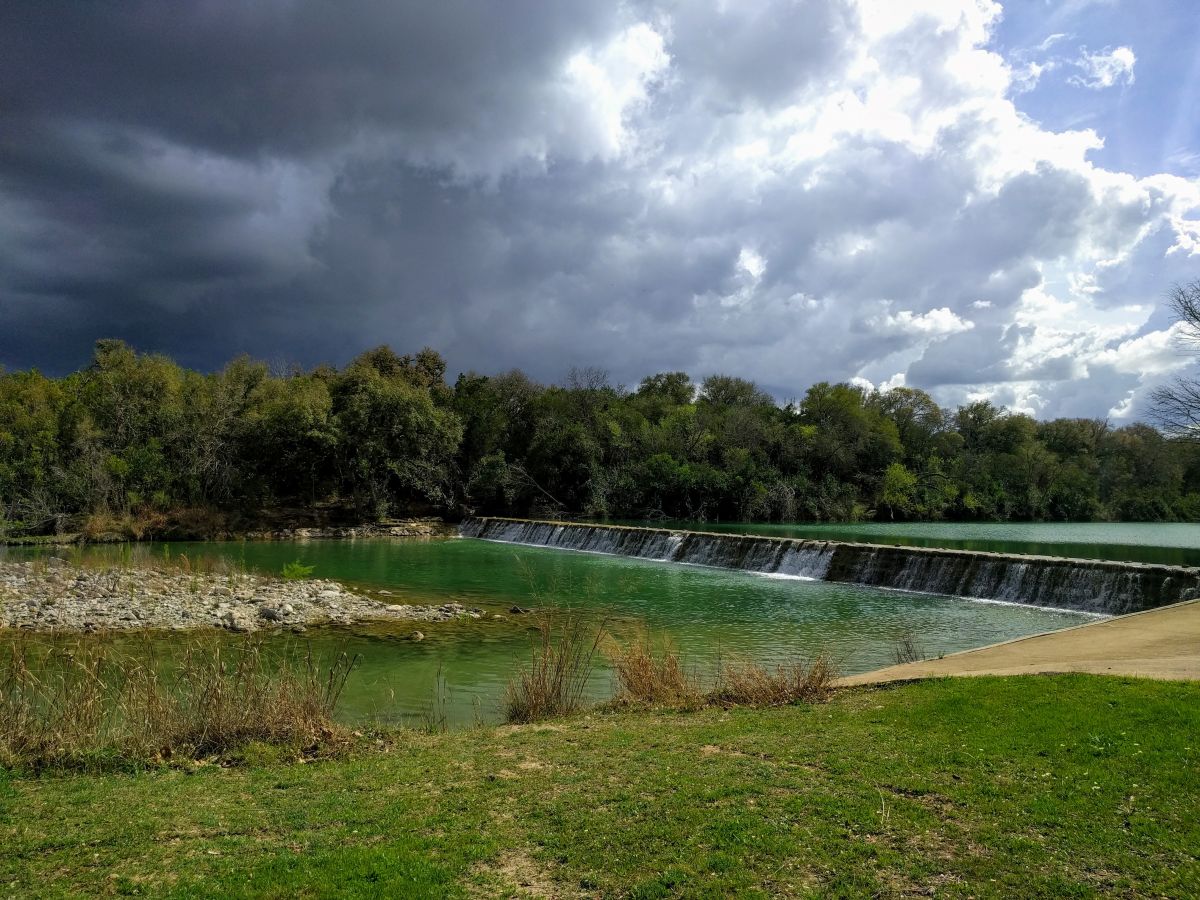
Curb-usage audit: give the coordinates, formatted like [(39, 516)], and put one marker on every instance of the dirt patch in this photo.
[(516, 871), (509, 730), (714, 750)]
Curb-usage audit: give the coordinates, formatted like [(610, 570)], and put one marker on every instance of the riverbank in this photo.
[(216, 528), (1159, 643), (53, 595), (991, 787)]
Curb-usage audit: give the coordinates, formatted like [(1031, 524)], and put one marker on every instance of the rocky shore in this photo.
[(53, 595), (410, 529)]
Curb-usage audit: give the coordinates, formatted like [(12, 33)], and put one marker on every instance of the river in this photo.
[(709, 615)]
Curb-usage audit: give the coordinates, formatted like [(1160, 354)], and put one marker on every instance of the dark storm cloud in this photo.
[(163, 166), (279, 76), (785, 190)]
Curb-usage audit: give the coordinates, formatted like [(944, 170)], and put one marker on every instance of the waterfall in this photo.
[(1085, 585), (643, 543)]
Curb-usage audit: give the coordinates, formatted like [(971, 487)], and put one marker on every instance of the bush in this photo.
[(555, 682), (644, 677), (661, 680), (297, 571), (748, 684)]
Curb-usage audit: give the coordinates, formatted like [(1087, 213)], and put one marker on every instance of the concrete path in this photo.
[(1159, 643)]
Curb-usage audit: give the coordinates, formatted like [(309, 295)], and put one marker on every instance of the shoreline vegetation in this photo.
[(88, 703), (221, 768), (91, 706), (424, 527), (136, 446)]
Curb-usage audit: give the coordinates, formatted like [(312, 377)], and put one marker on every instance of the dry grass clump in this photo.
[(128, 525), (562, 654), (656, 679), (748, 684), (907, 649), (88, 705), (126, 557), (662, 680), (119, 560)]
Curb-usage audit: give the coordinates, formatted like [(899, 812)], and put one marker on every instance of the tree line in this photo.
[(137, 436)]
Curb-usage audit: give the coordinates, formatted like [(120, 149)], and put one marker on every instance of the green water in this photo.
[(1169, 543), (708, 614)]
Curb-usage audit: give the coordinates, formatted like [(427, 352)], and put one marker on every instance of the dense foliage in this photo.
[(138, 436)]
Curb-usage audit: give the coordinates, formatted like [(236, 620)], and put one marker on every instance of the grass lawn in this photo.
[(1059, 786)]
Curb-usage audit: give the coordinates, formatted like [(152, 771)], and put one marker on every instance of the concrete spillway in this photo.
[(1097, 586)]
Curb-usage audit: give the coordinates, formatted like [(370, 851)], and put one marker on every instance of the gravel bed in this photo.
[(53, 595)]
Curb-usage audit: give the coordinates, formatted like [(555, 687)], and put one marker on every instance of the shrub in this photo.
[(748, 684), (130, 525), (297, 571), (555, 682), (644, 677)]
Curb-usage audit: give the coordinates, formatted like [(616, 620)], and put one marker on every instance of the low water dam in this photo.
[(1086, 585)]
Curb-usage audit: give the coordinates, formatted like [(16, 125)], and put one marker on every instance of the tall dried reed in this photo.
[(87, 704), (554, 683), (661, 679), (907, 649), (658, 679)]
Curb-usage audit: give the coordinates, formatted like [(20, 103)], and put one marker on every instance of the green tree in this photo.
[(396, 444)]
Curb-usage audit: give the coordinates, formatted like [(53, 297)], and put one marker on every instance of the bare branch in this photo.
[(1176, 407), (1184, 300)]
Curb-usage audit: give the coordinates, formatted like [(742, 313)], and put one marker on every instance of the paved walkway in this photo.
[(1160, 643)]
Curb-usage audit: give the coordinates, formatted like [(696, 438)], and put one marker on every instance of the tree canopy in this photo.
[(136, 434)]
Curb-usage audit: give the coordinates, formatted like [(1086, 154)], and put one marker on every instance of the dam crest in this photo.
[(1085, 585)]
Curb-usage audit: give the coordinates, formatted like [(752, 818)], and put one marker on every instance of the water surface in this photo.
[(709, 615)]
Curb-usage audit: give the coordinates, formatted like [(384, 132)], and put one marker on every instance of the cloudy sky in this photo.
[(975, 198)]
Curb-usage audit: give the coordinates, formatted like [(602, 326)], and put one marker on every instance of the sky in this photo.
[(984, 200)]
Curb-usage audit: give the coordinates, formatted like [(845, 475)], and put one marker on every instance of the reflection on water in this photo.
[(707, 614)]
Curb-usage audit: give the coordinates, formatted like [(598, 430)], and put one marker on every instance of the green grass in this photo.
[(1071, 786)]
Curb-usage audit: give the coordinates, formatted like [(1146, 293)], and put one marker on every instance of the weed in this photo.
[(297, 571), (749, 684), (908, 650), (434, 718), (561, 658)]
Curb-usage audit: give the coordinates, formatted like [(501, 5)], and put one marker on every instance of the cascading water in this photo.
[(1096, 586), (1112, 588), (800, 559)]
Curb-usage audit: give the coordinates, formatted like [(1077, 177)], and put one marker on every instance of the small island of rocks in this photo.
[(54, 595)]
